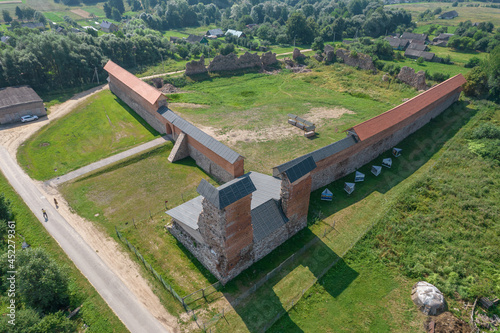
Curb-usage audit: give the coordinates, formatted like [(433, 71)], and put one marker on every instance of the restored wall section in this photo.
[(14, 113), (138, 104), (272, 241), (348, 160), (210, 161), (295, 202)]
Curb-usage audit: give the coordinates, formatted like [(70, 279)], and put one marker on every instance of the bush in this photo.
[(420, 60), (486, 131), (473, 62)]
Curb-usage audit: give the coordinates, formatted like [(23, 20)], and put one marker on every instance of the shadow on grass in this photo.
[(276, 296), (418, 149)]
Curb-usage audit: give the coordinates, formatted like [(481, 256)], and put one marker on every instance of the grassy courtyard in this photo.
[(100, 127), (249, 112)]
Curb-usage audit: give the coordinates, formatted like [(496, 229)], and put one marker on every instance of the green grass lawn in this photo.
[(100, 127), (97, 11), (53, 17), (126, 193), (94, 312), (435, 67), (258, 102)]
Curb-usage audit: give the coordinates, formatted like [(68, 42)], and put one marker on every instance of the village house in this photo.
[(239, 34), (196, 39), (215, 32), (108, 26), (16, 102)]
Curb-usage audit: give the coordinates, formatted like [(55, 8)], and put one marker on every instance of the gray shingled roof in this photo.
[(417, 54), (266, 218), (418, 47), (225, 195), (106, 24), (217, 147), (410, 35), (188, 212), (300, 169), (11, 96), (321, 153), (215, 32)]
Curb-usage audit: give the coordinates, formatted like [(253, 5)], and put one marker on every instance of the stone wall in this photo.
[(228, 234), (416, 80), (196, 67), (272, 241), (348, 160), (361, 60), (138, 104), (231, 62), (295, 202), (14, 113)]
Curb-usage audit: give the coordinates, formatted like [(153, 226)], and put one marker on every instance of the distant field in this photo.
[(433, 67), (53, 17), (475, 14), (97, 11), (100, 127)]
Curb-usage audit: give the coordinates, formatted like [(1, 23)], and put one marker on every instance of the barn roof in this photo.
[(450, 14), (11, 96), (203, 138), (403, 111), (143, 89), (428, 56), (416, 46), (410, 35)]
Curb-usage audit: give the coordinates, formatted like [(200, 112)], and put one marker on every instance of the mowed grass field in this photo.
[(94, 312), (100, 127), (475, 14)]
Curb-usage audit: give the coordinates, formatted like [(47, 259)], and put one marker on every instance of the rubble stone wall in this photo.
[(416, 80), (361, 60)]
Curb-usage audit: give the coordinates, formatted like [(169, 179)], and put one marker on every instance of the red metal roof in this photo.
[(144, 90), (403, 111)]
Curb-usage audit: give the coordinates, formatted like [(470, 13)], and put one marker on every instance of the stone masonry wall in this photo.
[(272, 241), (14, 113), (138, 104), (416, 80), (196, 67), (362, 61), (295, 202), (348, 160), (229, 237), (231, 62)]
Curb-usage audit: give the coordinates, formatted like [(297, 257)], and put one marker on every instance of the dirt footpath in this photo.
[(11, 138)]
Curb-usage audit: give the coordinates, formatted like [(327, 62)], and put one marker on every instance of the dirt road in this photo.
[(112, 272)]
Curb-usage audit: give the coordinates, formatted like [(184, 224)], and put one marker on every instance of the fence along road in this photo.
[(119, 298)]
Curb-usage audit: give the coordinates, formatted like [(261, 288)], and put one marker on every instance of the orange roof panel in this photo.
[(144, 90), (403, 111)]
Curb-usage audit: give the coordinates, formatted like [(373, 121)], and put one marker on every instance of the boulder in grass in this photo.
[(428, 298)]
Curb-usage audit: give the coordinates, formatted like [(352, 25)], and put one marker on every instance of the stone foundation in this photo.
[(361, 60)]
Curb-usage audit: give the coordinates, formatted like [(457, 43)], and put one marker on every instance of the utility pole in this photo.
[(162, 64)]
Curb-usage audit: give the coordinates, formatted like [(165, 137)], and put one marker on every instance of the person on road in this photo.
[(55, 203), (44, 213)]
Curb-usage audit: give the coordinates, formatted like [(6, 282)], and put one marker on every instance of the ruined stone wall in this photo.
[(231, 62), (268, 59), (348, 160), (138, 104), (196, 67), (416, 80), (362, 61), (209, 161), (201, 251), (295, 202), (14, 113)]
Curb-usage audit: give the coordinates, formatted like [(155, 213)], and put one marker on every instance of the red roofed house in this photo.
[(140, 96)]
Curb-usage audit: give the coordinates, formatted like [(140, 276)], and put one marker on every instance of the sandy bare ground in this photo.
[(277, 132), (7, 2), (81, 12), (107, 249)]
